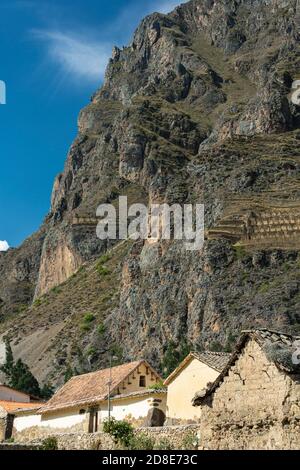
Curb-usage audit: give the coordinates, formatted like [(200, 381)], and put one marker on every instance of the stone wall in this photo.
[(13, 446), (180, 437), (2, 428), (256, 407), (84, 441), (177, 436), (6, 423), (252, 225)]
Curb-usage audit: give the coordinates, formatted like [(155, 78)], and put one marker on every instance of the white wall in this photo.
[(7, 394), (182, 389), (27, 421), (59, 420), (134, 407), (63, 419)]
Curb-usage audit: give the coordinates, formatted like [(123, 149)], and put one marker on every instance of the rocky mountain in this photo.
[(197, 109)]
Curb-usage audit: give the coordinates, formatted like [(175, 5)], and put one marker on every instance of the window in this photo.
[(142, 381)]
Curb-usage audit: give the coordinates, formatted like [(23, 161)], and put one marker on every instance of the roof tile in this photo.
[(90, 388)]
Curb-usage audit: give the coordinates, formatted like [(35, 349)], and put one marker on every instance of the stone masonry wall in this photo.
[(178, 436), (256, 407), (2, 428), (6, 423)]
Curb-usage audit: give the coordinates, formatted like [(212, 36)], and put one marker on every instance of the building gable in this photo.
[(213, 360), (275, 346), (89, 389)]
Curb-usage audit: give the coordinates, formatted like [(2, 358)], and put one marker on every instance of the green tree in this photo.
[(18, 374), (69, 373), (22, 379), (174, 355), (9, 361), (47, 391)]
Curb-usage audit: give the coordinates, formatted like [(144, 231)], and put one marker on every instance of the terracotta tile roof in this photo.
[(278, 347), (10, 406), (141, 393), (92, 388), (215, 360)]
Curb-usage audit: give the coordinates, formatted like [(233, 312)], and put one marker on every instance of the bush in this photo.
[(190, 442), (239, 252), (216, 346), (103, 270), (88, 318), (91, 351), (121, 431), (85, 327), (50, 443), (157, 386), (100, 266), (141, 442), (37, 303), (230, 343), (101, 329), (103, 259), (117, 352), (56, 290), (163, 444)]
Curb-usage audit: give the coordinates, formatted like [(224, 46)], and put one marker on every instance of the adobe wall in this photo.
[(256, 407)]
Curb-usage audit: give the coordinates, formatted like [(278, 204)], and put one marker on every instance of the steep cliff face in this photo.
[(19, 270), (196, 109)]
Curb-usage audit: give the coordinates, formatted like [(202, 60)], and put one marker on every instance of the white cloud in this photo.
[(166, 6), (81, 57), (78, 57), (3, 245)]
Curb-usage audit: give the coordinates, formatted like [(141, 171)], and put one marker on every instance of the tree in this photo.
[(47, 391), (18, 374), (9, 361), (68, 374), (22, 379), (174, 355)]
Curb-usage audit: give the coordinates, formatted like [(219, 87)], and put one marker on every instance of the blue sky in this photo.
[(53, 57)]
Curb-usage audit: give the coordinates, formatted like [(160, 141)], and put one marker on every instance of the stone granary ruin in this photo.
[(255, 402), (265, 221)]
